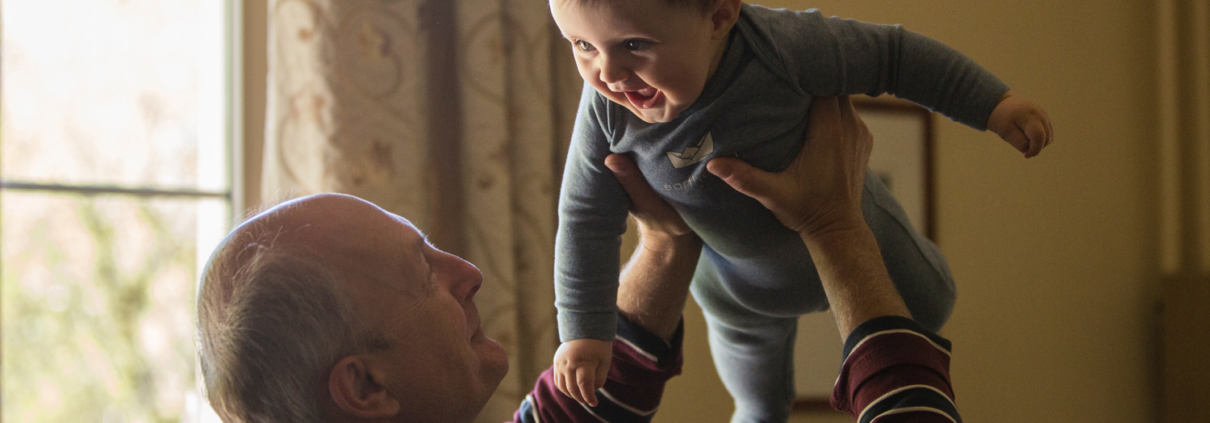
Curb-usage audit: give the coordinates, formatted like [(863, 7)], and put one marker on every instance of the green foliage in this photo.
[(84, 338)]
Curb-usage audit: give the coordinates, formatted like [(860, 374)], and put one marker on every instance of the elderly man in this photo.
[(328, 308)]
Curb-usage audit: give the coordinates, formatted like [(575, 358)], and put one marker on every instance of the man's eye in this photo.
[(584, 46), (636, 45)]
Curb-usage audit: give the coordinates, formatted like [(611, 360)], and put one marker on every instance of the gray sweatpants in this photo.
[(753, 344)]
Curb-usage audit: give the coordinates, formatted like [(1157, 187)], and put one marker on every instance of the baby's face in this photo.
[(646, 55)]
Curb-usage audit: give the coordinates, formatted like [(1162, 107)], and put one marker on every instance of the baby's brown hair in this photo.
[(701, 5)]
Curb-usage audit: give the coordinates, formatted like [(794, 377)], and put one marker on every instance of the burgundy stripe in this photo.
[(888, 362), (634, 380)]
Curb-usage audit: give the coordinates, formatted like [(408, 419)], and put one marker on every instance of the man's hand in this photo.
[(655, 217), (819, 196), (581, 367), (1022, 123), (655, 283), (821, 189)]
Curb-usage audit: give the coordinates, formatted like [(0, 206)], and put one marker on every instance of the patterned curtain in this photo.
[(452, 113)]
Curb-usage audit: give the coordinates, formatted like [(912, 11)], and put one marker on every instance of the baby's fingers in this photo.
[(562, 382), (585, 380), (573, 383), (1036, 132), (602, 375), (1018, 140), (559, 384), (568, 384), (1050, 131)]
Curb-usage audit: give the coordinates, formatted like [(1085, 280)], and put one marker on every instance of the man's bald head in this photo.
[(330, 308), (273, 314)]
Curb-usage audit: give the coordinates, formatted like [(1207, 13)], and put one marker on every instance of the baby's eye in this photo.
[(584, 45), (636, 44)]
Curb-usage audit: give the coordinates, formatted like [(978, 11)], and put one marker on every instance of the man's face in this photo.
[(439, 364), (651, 57)]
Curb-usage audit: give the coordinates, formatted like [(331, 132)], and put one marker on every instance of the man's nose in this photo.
[(612, 71), (466, 279)]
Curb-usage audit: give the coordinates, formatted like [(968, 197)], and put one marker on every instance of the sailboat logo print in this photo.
[(693, 154)]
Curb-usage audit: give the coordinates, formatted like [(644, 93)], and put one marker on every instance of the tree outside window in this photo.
[(116, 161)]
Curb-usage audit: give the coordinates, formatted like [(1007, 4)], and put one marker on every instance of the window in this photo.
[(116, 158)]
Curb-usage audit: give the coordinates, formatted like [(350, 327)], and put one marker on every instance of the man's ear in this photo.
[(723, 15), (357, 387)]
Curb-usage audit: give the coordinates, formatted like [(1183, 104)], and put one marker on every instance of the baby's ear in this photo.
[(723, 15)]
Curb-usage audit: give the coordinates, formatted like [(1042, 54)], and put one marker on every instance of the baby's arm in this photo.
[(941, 78), (832, 56), (653, 289), (592, 218)]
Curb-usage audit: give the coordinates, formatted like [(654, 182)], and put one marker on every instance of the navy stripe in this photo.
[(527, 412), (614, 413), (914, 397), (879, 324), (645, 340)]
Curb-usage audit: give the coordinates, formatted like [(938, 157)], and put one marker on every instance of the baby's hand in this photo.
[(1022, 123), (581, 367)]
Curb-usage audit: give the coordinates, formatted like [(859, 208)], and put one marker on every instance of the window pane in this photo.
[(111, 91), (97, 300)]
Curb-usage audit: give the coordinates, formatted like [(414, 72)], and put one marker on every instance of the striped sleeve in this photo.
[(642, 364), (895, 371)]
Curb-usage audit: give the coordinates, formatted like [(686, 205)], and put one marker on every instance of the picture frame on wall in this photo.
[(903, 159)]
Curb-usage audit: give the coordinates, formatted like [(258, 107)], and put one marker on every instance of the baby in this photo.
[(675, 83)]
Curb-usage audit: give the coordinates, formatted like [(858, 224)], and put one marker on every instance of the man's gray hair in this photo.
[(272, 322)]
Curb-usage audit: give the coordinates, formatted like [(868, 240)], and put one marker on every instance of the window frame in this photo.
[(232, 101)]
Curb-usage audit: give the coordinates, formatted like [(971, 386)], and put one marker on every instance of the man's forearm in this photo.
[(854, 276), (655, 283), (893, 369)]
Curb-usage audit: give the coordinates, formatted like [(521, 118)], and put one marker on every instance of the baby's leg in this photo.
[(756, 365), (753, 353), (915, 264)]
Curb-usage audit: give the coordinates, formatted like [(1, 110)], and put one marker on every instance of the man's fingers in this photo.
[(646, 205), (632, 181), (846, 111), (825, 109), (585, 382), (743, 177), (628, 174)]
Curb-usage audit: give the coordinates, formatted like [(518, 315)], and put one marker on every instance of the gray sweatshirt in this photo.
[(754, 108)]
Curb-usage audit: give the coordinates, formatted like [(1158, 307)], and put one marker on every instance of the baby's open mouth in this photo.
[(644, 98)]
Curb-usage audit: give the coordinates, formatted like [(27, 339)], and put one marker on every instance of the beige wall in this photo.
[(1056, 316)]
